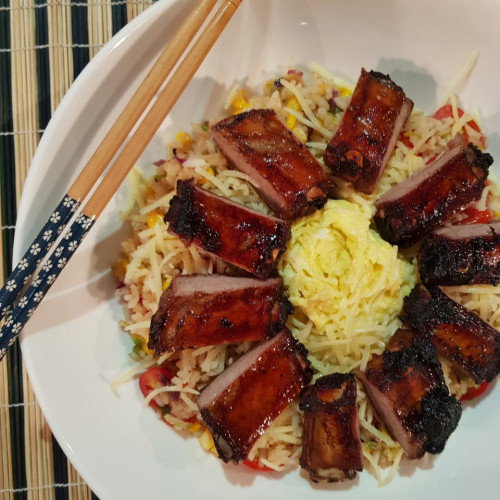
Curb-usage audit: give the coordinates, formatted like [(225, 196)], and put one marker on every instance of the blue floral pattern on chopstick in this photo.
[(33, 256), (41, 284)]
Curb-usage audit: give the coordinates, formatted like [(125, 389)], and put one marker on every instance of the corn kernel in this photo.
[(154, 218), (166, 282), (497, 214), (300, 134), (322, 89), (293, 103), (240, 101), (184, 138), (290, 121), (194, 427), (343, 92), (202, 180), (207, 443)]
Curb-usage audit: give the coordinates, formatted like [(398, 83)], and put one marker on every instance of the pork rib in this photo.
[(286, 174), (331, 445), (242, 402), (407, 389), (241, 236), (360, 148), (464, 254), (431, 196), (460, 336), (200, 310)]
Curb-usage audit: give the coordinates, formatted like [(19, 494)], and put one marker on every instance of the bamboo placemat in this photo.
[(44, 44)]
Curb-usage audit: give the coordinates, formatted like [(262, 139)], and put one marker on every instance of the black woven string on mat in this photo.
[(80, 40), (8, 200)]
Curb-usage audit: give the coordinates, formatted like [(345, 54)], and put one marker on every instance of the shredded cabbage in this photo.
[(347, 280)]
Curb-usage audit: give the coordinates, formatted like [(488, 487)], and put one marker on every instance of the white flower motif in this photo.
[(25, 280), (23, 264), (51, 279), (68, 236), (59, 251), (55, 218), (38, 296), (9, 321), (72, 246), (47, 235), (59, 229), (30, 312), (11, 341), (36, 283), (48, 266), (80, 218), (86, 223), (61, 262), (68, 202), (16, 329), (11, 285), (23, 302), (35, 249), (38, 262)]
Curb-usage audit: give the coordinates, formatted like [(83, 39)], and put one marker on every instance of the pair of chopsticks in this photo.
[(17, 314)]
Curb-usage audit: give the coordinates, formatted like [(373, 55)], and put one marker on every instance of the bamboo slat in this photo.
[(5, 470), (60, 53), (24, 91)]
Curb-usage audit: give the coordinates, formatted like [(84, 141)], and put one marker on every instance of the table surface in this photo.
[(44, 44)]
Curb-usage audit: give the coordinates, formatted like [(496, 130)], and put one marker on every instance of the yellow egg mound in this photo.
[(346, 284)]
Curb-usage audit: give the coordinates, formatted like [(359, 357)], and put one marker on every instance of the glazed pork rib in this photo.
[(243, 401), (431, 196), (200, 310), (465, 254), (241, 236), (331, 445), (407, 389), (459, 335), (365, 139), (285, 173)]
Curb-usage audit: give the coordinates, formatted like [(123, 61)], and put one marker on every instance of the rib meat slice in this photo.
[(406, 387), (365, 139), (241, 236), (431, 196), (460, 336), (242, 402), (465, 254), (331, 445), (201, 310), (285, 172)]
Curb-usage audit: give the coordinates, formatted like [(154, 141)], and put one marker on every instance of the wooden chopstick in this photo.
[(140, 100), (163, 104), (116, 173), (104, 153)]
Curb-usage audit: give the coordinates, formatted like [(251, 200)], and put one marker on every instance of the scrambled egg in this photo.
[(347, 280)]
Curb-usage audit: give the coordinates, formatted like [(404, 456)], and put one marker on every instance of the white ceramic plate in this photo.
[(73, 346)]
